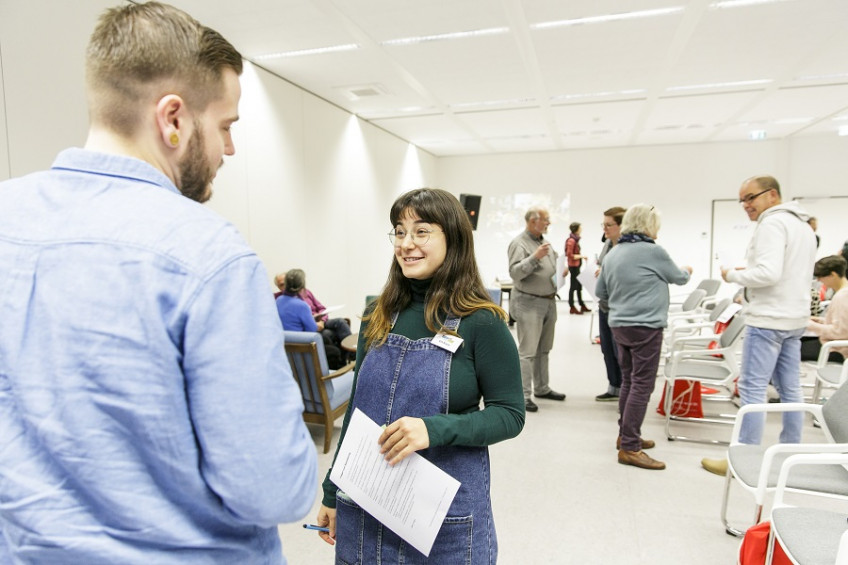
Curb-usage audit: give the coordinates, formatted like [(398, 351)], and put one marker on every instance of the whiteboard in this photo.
[(731, 229)]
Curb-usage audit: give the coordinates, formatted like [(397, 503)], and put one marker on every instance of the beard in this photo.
[(196, 174)]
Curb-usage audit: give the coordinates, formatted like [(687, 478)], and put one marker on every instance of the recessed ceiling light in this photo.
[(734, 84), (446, 36), (757, 134), (490, 103), (602, 94), (833, 76), (609, 18), (740, 3), (303, 52), (843, 130), (790, 121)]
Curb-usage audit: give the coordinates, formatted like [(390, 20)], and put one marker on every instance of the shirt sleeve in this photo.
[(765, 258), (498, 377), (256, 454), (836, 319), (521, 263), (307, 319), (668, 269)]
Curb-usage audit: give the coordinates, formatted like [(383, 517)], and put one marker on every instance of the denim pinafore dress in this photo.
[(404, 377)]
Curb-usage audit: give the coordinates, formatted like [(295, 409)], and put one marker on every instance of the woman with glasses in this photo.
[(634, 282), (425, 387), (612, 231)]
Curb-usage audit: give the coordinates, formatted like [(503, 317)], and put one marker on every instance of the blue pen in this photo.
[(314, 527)]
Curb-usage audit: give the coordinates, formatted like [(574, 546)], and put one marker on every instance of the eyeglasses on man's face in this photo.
[(751, 197), (420, 236), (608, 225)]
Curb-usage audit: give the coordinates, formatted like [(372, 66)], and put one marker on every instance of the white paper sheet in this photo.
[(411, 499), (560, 268), (588, 280), (317, 315)]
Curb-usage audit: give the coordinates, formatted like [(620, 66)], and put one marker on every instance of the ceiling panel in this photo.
[(703, 110), (598, 81)]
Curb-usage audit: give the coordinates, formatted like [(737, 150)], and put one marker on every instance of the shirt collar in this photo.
[(84, 160)]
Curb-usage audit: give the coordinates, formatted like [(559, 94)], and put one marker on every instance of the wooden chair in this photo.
[(325, 394)]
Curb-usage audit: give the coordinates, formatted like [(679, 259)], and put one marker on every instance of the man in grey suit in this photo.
[(532, 266)]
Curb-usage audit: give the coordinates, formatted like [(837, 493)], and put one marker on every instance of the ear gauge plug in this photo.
[(175, 139)]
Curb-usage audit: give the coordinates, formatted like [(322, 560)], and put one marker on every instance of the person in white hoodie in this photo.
[(777, 275)]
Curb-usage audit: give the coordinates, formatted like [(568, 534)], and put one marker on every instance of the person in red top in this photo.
[(574, 260)]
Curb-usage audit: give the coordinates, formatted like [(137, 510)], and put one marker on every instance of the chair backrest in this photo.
[(719, 308), (733, 331), (710, 286), (694, 300), (495, 293), (308, 361), (835, 414)]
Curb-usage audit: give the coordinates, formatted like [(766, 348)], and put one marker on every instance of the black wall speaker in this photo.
[(471, 203)]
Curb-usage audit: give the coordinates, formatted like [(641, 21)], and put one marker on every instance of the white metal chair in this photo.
[(713, 367), (829, 375), (701, 324), (808, 535), (756, 467)]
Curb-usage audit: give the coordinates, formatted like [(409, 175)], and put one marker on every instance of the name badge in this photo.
[(447, 341)]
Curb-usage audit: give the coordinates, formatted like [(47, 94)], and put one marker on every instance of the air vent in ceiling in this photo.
[(360, 91)]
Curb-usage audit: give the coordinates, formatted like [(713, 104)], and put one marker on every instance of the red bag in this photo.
[(754, 546), (685, 399)]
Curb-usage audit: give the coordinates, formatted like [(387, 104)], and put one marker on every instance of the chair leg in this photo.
[(727, 527), (328, 433)]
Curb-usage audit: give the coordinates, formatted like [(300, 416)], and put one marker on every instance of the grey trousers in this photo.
[(536, 320)]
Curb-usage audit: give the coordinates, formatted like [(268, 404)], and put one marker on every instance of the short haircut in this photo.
[(830, 264), (641, 218), (616, 213), (141, 52), (295, 281), (574, 226), (280, 280), (766, 182), (533, 213)]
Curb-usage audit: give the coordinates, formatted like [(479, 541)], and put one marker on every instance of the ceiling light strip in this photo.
[(446, 36), (303, 52), (734, 84), (724, 4), (609, 18)]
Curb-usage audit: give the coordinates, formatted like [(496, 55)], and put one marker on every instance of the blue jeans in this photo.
[(771, 355)]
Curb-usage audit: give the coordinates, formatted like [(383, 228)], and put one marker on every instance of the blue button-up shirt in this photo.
[(147, 410)]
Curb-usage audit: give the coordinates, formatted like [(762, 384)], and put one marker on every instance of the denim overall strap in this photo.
[(404, 377)]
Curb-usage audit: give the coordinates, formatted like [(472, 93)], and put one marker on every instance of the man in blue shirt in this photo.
[(147, 410)]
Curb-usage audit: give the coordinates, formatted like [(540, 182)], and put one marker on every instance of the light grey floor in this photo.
[(560, 497)]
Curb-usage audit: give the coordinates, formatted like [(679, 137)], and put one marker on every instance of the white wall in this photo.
[(310, 186), (680, 180)]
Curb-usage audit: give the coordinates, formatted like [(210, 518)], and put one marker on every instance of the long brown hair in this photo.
[(456, 288)]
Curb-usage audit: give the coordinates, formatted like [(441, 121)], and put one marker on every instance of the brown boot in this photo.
[(646, 443), (639, 459), (574, 311)]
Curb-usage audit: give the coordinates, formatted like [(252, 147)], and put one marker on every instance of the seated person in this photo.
[(296, 315), (830, 271), (280, 281), (333, 329)]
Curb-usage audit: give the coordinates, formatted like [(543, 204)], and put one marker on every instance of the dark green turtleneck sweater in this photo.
[(485, 365)]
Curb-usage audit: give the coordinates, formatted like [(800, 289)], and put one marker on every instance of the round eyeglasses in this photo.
[(420, 236)]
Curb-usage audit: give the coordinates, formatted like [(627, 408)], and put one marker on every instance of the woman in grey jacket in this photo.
[(634, 282)]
